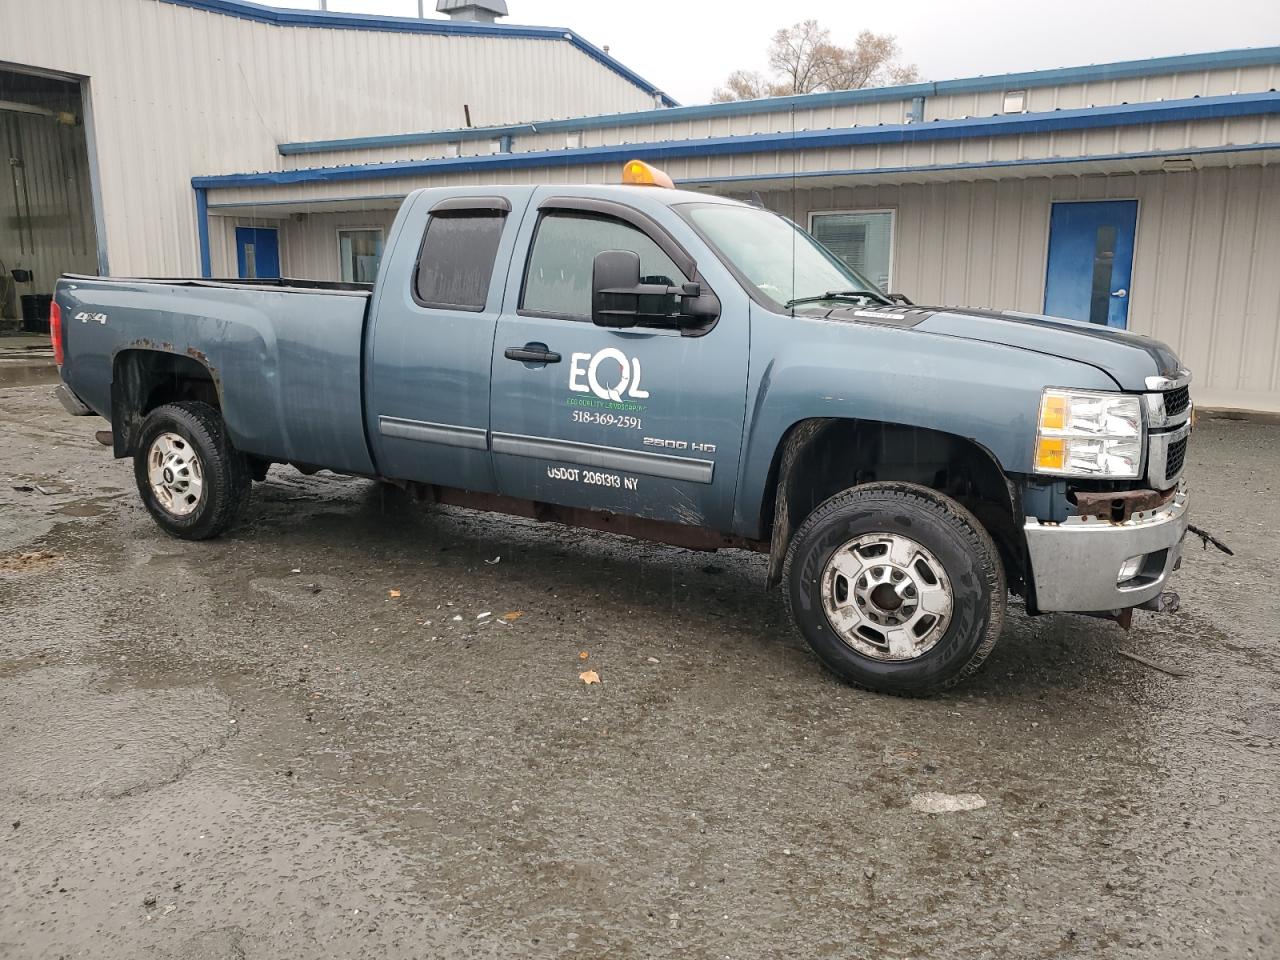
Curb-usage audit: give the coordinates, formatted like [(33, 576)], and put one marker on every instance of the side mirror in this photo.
[(615, 294), (621, 298)]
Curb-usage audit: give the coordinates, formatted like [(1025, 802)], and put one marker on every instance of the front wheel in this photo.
[(192, 481), (896, 588)]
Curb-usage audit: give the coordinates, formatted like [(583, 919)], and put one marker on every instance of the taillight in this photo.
[(55, 331)]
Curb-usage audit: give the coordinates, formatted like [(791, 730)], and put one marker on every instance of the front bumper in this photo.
[(1074, 564)]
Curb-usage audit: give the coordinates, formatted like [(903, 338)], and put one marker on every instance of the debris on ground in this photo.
[(589, 677), (1155, 664), (1207, 538), (652, 660), (24, 488), (947, 802), (495, 561), (487, 613), (513, 615), (583, 655), (393, 594), (26, 562)]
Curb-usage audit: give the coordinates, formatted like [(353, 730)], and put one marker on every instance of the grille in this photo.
[(1177, 453), (1176, 401)]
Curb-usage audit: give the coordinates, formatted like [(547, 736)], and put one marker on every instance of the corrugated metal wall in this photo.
[(46, 221), (1205, 276), (178, 92)]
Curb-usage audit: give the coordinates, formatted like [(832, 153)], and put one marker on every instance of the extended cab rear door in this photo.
[(645, 421), (431, 335)]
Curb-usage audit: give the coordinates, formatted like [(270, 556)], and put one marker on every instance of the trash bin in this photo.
[(35, 312)]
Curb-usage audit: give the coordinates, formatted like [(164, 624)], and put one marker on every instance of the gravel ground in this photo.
[(253, 748)]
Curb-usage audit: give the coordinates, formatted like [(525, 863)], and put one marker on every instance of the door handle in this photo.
[(532, 353), (1122, 292)]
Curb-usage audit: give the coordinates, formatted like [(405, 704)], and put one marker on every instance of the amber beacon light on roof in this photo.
[(640, 174)]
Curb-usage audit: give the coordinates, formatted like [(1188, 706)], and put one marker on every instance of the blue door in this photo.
[(1091, 261), (257, 252)]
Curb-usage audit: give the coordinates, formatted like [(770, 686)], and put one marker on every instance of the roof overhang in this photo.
[(781, 144)]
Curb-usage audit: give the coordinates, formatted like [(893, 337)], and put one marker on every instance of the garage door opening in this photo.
[(46, 201)]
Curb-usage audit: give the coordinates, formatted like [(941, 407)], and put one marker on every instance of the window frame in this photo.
[(371, 228), (497, 207), (893, 236), (594, 208)]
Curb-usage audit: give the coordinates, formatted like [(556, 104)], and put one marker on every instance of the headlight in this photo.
[(1084, 434)]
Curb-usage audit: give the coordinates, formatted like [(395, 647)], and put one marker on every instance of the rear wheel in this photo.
[(896, 588), (191, 479)]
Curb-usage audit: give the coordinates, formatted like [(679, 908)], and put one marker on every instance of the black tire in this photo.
[(956, 540), (225, 482)]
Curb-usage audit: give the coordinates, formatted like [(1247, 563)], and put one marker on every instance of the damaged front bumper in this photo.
[(1077, 565)]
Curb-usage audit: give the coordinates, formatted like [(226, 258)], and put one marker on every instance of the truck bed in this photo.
[(283, 355)]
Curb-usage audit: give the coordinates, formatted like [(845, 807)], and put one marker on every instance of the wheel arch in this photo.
[(143, 378), (818, 457)]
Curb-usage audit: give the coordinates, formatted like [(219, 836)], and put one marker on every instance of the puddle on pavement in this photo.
[(86, 508)]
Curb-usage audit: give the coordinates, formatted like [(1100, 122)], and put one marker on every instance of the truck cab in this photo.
[(683, 367)]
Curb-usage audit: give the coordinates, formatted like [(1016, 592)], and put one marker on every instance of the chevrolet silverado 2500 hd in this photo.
[(680, 367)]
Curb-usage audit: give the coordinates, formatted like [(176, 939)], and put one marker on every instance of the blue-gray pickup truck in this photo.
[(678, 367)]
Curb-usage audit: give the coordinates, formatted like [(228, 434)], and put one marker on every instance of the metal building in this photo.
[(232, 139), (1143, 195), (108, 108)]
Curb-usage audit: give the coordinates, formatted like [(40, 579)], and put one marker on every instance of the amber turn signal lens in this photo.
[(637, 173), (1050, 453), (1053, 412)]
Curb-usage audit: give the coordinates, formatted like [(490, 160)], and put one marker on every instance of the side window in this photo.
[(456, 260), (557, 279)]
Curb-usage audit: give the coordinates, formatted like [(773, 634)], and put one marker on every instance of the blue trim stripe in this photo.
[(977, 165), (1105, 72), (277, 16), (202, 231), (1122, 115)]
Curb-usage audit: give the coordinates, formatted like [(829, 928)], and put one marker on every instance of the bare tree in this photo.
[(803, 59)]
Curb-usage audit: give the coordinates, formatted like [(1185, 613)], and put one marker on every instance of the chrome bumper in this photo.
[(1075, 563)]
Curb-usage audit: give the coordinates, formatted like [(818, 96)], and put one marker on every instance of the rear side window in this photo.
[(456, 261), (558, 278)]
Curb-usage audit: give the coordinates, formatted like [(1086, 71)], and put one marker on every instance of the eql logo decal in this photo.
[(589, 366)]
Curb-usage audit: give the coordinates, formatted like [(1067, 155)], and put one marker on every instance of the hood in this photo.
[(1126, 357)]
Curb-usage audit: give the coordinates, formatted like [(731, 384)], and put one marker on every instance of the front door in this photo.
[(644, 421), (1091, 261), (257, 252)]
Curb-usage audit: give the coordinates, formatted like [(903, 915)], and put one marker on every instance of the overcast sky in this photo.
[(686, 47)]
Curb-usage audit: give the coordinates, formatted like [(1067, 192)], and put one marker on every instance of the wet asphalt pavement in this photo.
[(251, 748)]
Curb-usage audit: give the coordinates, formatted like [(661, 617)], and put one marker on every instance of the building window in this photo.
[(861, 238), (456, 262), (359, 252), (1015, 101)]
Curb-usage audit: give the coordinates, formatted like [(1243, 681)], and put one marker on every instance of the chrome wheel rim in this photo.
[(887, 597), (175, 473)]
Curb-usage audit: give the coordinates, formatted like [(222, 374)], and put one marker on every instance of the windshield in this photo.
[(774, 255)]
